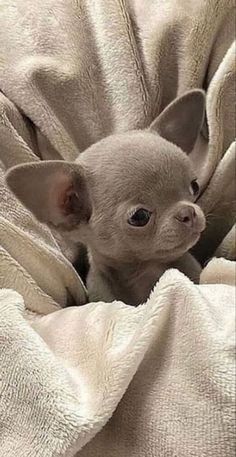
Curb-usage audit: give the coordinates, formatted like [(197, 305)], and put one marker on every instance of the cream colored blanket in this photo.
[(72, 72), (62, 380)]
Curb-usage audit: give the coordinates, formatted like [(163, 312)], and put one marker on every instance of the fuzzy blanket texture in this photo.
[(110, 380)]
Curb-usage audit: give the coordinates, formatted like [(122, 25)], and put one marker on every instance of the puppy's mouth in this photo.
[(178, 238), (179, 249), (195, 237), (189, 241)]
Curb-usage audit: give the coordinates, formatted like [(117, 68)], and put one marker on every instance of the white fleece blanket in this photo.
[(72, 72), (62, 384)]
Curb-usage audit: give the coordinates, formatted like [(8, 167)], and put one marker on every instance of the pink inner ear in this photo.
[(61, 193), (70, 200), (65, 199)]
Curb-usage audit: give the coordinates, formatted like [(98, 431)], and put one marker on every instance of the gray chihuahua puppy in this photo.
[(129, 198)]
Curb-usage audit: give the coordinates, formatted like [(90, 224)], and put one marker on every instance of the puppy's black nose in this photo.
[(186, 215)]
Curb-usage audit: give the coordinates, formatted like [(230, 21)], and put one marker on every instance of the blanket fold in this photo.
[(74, 366)]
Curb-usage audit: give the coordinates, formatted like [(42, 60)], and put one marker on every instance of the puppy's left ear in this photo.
[(182, 120)]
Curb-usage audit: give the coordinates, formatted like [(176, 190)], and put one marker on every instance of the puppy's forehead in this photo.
[(136, 162), (129, 149), (131, 144)]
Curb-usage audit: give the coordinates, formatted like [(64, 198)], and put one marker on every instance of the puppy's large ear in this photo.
[(55, 191), (181, 121)]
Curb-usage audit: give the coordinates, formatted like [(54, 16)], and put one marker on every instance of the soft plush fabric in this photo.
[(72, 72), (64, 376)]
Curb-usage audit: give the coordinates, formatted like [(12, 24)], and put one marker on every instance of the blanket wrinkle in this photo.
[(184, 384), (104, 380)]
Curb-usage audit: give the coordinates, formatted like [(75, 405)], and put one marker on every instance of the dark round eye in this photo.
[(140, 217), (194, 187)]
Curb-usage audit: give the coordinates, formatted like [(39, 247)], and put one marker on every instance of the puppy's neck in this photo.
[(129, 282), (132, 283)]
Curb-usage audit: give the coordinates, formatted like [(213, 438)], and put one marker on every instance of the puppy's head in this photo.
[(131, 196)]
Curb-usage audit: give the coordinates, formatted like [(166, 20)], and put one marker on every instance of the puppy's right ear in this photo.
[(55, 191)]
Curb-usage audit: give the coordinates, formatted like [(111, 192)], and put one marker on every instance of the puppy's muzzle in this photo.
[(191, 217)]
